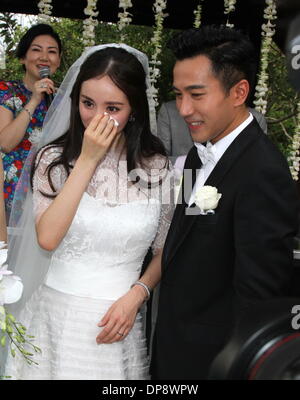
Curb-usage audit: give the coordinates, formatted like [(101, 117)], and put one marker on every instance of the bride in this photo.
[(101, 197)]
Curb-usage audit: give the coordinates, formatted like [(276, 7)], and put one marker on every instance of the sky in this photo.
[(24, 20)]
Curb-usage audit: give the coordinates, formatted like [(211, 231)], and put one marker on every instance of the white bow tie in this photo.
[(206, 153)]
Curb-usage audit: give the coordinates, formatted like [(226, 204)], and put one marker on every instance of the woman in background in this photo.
[(22, 102)]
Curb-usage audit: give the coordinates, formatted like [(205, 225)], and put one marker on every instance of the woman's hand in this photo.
[(98, 137), (41, 87), (120, 317)]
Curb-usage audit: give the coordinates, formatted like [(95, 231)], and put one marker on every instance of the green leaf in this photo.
[(19, 339), (37, 350), (3, 341), (3, 326), (11, 317)]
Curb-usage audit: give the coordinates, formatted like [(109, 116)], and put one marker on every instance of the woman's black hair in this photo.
[(231, 53), (128, 74)]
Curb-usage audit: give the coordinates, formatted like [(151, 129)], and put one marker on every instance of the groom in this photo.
[(215, 266)]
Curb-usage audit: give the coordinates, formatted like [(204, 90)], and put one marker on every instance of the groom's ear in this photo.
[(239, 92)]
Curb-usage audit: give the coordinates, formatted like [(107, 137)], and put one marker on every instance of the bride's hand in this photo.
[(120, 317), (98, 137)]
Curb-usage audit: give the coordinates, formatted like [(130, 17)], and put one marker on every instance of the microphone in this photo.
[(45, 73)]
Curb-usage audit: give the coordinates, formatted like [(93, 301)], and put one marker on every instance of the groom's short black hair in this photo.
[(231, 53)]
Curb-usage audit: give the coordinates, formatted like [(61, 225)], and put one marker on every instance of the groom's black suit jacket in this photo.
[(215, 266)]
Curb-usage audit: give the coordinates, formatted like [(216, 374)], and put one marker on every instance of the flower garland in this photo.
[(294, 157), (197, 13), (124, 17), (158, 8), (229, 6), (267, 34), (2, 57), (45, 12), (90, 23)]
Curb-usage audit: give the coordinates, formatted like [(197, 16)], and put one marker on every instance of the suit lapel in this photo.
[(182, 223)]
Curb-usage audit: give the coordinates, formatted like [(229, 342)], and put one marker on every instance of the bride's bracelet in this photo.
[(147, 289)]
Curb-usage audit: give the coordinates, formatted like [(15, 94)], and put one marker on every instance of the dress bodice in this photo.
[(103, 251)]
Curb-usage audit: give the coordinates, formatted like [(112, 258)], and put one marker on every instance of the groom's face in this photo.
[(207, 108)]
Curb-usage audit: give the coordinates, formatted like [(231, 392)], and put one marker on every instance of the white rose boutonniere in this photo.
[(207, 199)]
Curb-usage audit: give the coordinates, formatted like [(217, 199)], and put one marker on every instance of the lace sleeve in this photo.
[(41, 186), (167, 204)]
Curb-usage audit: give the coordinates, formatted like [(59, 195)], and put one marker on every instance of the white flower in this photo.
[(124, 17), (197, 13), (89, 23), (11, 173), (229, 6), (45, 8), (207, 198), (267, 33), (35, 135), (15, 102), (294, 158), (158, 7), (11, 287)]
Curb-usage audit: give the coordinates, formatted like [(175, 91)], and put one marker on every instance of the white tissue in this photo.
[(110, 117)]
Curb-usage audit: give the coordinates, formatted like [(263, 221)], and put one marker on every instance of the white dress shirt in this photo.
[(217, 150)]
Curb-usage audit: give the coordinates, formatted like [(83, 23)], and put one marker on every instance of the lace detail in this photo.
[(165, 172), (65, 328), (98, 260), (112, 185)]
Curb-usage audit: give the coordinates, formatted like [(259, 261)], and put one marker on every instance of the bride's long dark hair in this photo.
[(128, 74)]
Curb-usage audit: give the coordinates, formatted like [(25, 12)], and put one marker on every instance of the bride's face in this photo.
[(99, 95)]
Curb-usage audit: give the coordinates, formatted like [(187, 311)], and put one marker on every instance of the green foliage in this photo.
[(8, 26), (11, 32), (70, 32), (19, 340), (282, 99), (282, 102)]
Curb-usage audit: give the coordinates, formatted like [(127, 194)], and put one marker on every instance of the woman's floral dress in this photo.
[(14, 96)]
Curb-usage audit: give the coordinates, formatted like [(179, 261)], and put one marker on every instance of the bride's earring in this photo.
[(131, 118)]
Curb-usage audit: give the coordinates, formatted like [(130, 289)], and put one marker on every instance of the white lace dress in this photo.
[(96, 263)]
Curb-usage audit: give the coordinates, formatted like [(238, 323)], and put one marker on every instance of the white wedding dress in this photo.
[(95, 264)]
